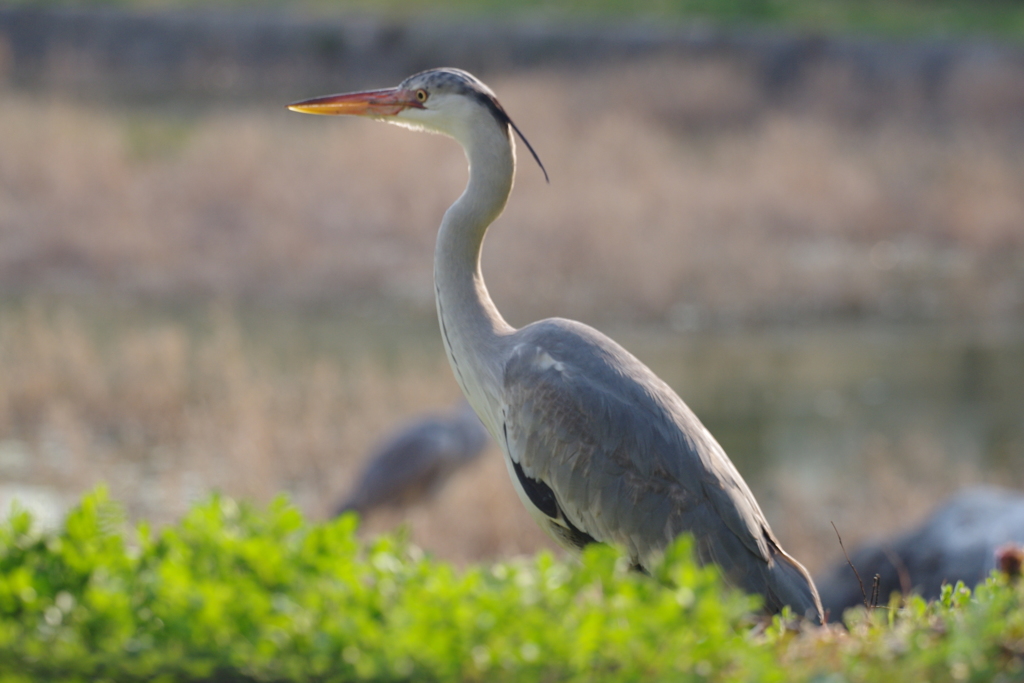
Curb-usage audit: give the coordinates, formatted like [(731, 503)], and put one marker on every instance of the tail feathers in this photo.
[(789, 584), (780, 579)]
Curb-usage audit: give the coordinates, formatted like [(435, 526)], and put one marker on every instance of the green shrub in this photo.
[(233, 593)]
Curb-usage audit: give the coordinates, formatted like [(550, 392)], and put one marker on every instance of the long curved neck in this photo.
[(470, 323)]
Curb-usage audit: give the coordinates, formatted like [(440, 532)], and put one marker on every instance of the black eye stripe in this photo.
[(466, 84)]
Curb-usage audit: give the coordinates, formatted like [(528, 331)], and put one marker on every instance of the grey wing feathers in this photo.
[(628, 462)]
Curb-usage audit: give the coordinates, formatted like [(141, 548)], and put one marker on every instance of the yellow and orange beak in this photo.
[(368, 103)]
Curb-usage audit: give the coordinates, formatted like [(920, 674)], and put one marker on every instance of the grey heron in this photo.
[(598, 448), (960, 541), (417, 460)]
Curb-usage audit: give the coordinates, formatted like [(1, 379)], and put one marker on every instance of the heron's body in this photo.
[(959, 541), (597, 446), (417, 460)]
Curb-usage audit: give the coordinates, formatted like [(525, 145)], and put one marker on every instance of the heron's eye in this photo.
[(421, 95)]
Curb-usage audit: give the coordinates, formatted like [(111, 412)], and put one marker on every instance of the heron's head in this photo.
[(449, 101)]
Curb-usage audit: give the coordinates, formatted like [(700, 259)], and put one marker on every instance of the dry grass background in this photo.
[(162, 413), (672, 187), (678, 198)]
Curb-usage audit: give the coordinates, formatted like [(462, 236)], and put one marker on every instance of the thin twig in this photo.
[(863, 592), (901, 571), (876, 584)]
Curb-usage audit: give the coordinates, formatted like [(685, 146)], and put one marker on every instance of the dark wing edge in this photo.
[(541, 495)]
